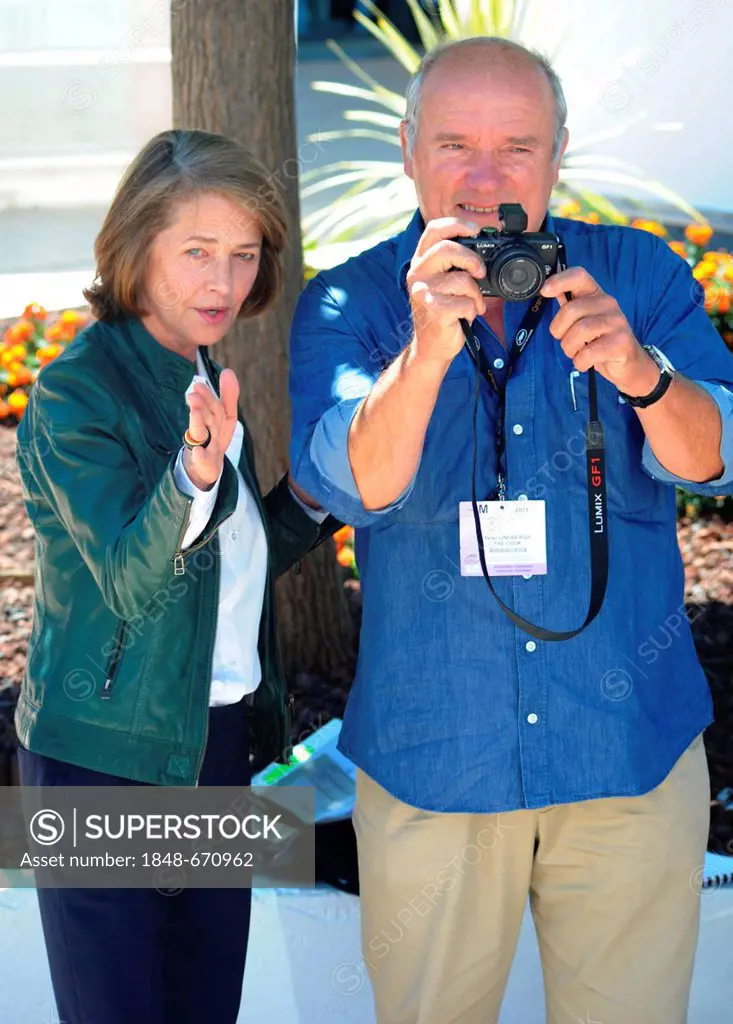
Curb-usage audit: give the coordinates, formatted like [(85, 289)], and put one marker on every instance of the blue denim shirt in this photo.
[(453, 708)]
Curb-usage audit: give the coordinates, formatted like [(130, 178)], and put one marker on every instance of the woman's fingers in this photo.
[(217, 415), (229, 391), (196, 424), (203, 415)]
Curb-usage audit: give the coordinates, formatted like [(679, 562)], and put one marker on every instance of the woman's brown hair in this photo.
[(180, 164)]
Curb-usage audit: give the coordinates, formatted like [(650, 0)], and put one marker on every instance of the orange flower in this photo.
[(19, 353), (53, 333), (19, 332), (568, 208), (344, 536), (723, 302), (4, 409), (698, 234), (34, 312), (716, 256), (712, 293), (7, 357), (593, 217), (17, 402), (70, 316), (680, 248), (650, 225), (19, 375), (48, 352), (67, 332), (345, 557), (704, 271)]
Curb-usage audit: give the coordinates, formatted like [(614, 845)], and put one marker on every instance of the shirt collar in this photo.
[(407, 244)]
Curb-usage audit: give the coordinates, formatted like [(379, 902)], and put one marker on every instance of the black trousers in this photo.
[(137, 956)]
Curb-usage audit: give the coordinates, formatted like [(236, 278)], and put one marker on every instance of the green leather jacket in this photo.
[(119, 661)]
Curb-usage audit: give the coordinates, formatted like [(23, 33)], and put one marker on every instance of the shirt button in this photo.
[(526, 575), (521, 497), (518, 428), (532, 718), (234, 534), (498, 364), (530, 646)]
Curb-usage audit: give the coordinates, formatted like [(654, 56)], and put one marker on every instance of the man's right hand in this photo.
[(387, 433), (440, 295)]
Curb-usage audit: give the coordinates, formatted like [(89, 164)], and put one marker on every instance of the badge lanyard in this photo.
[(595, 465)]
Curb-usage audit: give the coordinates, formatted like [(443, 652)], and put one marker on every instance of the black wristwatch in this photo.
[(667, 376)]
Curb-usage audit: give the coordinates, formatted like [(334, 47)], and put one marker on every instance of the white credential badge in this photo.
[(514, 536)]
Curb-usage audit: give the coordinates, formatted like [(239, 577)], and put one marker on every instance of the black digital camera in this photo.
[(518, 262)]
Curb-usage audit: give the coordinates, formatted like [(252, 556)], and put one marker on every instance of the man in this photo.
[(493, 765)]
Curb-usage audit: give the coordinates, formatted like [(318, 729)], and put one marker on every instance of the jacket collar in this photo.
[(169, 370)]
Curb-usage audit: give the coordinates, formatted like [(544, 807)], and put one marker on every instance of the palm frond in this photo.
[(373, 117), (655, 188), (383, 30), (377, 199), (351, 217), (341, 89), (336, 180), (449, 18), (387, 95), (355, 133), (381, 168), (428, 33), (603, 206)]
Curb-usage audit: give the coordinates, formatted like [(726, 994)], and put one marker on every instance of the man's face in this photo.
[(484, 136)]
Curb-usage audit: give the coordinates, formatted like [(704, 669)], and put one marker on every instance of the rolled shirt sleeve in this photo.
[(723, 398), (678, 324), (332, 371)]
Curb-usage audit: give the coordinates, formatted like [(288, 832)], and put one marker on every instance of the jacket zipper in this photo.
[(178, 563), (114, 662), (211, 664)]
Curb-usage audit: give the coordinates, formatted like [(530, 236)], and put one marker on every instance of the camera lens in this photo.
[(518, 276)]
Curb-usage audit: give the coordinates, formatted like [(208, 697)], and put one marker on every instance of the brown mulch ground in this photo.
[(706, 545)]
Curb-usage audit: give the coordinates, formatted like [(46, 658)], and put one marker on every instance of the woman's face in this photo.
[(200, 270)]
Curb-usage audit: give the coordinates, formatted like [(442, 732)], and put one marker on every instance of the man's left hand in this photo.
[(594, 332)]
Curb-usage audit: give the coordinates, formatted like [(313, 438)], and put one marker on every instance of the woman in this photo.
[(153, 657)]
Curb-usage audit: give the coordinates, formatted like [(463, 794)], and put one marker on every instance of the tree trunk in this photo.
[(233, 72)]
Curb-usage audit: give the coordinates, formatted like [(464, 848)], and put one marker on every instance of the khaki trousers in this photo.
[(613, 886)]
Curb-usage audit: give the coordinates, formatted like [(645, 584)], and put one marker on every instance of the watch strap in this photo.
[(666, 377)]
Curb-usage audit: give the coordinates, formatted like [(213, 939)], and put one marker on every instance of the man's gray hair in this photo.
[(433, 57)]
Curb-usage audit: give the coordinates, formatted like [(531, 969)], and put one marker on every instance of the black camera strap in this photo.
[(595, 466)]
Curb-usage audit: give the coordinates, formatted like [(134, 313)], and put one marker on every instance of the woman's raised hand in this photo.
[(219, 417)]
